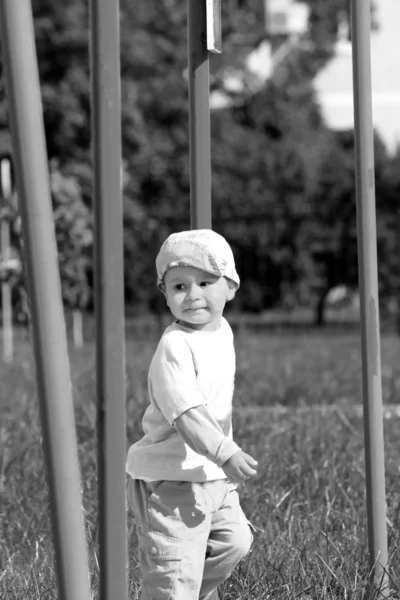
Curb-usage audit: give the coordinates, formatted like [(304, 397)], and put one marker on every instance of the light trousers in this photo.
[(191, 536)]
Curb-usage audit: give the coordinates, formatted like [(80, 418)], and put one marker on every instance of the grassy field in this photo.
[(297, 410)]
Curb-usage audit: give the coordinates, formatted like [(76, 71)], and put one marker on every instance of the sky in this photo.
[(334, 83)]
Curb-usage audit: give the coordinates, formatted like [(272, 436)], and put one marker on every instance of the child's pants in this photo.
[(191, 536)]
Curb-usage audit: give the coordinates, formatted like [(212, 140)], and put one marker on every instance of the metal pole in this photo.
[(6, 301), (109, 283), (49, 337), (199, 121), (199, 116), (6, 305), (367, 257)]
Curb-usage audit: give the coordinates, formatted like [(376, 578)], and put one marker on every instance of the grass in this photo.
[(297, 410)]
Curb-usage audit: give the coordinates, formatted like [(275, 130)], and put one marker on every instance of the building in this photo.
[(334, 84)]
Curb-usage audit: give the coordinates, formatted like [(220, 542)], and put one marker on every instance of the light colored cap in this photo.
[(201, 248)]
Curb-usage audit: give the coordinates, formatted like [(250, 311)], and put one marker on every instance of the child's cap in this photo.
[(200, 248)]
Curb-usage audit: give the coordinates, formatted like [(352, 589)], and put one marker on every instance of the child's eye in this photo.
[(205, 283), (179, 286)]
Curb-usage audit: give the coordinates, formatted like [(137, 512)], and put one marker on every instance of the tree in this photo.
[(270, 149), (331, 234), (308, 192), (389, 239), (280, 142), (74, 236)]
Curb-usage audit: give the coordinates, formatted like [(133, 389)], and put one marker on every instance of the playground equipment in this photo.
[(369, 299), (109, 289), (6, 189), (49, 338)]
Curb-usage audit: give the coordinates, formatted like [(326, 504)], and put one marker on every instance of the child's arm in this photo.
[(203, 434)]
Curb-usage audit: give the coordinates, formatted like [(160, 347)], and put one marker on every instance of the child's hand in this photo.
[(240, 467)]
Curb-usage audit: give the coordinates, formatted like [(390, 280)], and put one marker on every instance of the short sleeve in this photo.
[(172, 377)]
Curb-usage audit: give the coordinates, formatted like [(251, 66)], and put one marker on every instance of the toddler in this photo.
[(184, 471)]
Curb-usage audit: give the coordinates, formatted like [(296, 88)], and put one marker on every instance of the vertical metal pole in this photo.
[(199, 121), (49, 337), (109, 276), (367, 257), (6, 301), (6, 305), (199, 116)]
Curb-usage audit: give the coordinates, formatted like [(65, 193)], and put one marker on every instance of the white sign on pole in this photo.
[(214, 41)]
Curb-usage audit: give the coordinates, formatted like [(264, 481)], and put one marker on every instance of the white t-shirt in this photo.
[(190, 369)]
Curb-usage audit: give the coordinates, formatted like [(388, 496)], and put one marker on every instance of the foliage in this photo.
[(74, 238)]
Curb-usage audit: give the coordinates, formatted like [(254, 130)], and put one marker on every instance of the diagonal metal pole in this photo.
[(49, 336), (367, 258), (199, 116), (109, 284)]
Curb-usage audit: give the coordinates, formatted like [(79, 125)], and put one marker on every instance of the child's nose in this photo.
[(193, 292)]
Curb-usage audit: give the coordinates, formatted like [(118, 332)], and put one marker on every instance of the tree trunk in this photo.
[(397, 317), (77, 328), (319, 319)]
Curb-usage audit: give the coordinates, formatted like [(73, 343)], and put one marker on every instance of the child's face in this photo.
[(197, 298)]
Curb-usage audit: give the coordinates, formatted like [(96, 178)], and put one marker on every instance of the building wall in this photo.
[(335, 88)]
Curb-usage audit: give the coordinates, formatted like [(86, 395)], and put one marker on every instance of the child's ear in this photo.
[(231, 291), (164, 291)]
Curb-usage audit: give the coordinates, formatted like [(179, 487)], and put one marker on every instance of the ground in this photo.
[(297, 410)]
